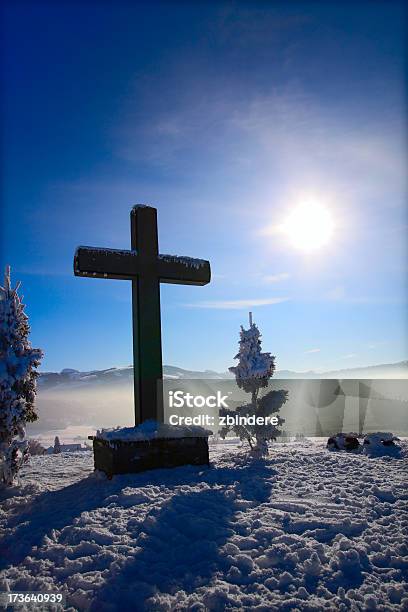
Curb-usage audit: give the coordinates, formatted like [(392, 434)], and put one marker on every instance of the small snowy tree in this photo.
[(35, 448), (253, 373), (57, 446), (17, 381)]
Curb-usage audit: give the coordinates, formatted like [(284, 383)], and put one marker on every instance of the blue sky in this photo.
[(226, 117)]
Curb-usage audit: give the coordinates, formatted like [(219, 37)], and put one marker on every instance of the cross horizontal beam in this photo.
[(128, 265)]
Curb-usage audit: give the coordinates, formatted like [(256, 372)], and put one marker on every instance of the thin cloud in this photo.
[(276, 278), (349, 356), (375, 345), (314, 350), (236, 304)]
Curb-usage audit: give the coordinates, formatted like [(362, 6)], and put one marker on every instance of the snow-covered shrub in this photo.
[(253, 373), (381, 443), (375, 444), (344, 441), (36, 448), (18, 361)]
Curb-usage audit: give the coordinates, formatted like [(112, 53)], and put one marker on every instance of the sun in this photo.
[(309, 226)]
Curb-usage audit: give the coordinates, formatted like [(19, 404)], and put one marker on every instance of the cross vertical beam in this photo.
[(147, 348)]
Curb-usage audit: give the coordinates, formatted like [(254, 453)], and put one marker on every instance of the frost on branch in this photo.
[(252, 373), (18, 361)]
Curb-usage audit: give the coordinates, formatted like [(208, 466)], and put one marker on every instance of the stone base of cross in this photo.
[(133, 456), (146, 268)]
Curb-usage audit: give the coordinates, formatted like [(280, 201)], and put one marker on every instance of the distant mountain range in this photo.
[(70, 378), (387, 370)]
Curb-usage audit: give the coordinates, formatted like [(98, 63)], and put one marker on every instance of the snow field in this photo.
[(304, 529)]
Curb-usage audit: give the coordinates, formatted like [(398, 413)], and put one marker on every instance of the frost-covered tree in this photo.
[(18, 361), (57, 446), (253, 373)]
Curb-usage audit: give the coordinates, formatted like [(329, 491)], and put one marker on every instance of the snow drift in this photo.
[(304, 529)]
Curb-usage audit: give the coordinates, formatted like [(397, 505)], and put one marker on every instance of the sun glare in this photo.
[(309, 226)]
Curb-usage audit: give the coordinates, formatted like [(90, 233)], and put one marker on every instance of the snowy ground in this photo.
[(306, 529)]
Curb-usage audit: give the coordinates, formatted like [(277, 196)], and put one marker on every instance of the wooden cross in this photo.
[(146, 269)]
